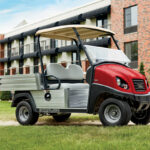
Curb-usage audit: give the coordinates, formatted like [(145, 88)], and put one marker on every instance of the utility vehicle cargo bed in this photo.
[(20, 82)]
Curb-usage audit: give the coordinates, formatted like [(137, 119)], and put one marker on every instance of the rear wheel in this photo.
[(114, 112), (61, 117), (142, 117), (25, 114)]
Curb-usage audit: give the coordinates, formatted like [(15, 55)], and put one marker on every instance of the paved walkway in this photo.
[(68, 123), (9, 123)]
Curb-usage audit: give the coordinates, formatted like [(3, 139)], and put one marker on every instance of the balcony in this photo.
[(30, 50)]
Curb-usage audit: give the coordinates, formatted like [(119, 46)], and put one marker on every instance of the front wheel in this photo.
[(114, 112), (25, 114), (141, 118)]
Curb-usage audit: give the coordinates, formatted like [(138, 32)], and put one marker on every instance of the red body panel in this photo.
[(106, 75)]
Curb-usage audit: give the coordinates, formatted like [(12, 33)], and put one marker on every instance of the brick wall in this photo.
[(1, 55), (143, 34)]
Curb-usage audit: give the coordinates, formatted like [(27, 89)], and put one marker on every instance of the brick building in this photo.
[(129, 19)]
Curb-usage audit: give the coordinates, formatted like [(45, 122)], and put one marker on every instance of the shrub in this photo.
[(5, 95), (142, 69)]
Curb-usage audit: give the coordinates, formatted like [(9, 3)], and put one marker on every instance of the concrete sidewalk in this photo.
[(67, 123)]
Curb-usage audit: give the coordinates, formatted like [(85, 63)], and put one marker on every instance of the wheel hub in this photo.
[(23, 114), (112, 113)]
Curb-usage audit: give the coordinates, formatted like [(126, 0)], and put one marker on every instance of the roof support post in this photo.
[(115, 41), (42, 66), (80, 44), (78, 54)]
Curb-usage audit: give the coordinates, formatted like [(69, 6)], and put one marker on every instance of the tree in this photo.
[(142, 71)]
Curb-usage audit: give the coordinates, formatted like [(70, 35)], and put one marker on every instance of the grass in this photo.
[(70, 137), (74, 138), (6, 112)]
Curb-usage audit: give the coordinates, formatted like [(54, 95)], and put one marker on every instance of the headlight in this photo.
[(121, 83), (118, 81)]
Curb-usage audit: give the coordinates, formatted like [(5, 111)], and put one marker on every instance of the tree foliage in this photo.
[(142, 71)]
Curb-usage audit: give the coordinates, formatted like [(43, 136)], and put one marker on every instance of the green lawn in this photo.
[(74, 138), (70, 137), (6, 112)]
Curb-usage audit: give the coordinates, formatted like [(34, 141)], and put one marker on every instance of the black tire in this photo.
[(141, 118), (61, 117), (35, 118), (128, 113), (25, 114), (114, 112)]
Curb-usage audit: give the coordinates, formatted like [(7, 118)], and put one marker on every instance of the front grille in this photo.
[(139, 85)]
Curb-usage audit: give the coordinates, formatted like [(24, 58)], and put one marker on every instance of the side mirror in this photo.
[(53, 78)]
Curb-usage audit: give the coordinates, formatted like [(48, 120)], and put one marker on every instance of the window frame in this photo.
[(125, 50), (102, 18), (132, 28)]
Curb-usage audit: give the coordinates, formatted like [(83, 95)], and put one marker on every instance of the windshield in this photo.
[(100, 54)]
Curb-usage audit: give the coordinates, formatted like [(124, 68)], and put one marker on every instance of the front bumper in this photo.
[(135, 99), (145, 98)]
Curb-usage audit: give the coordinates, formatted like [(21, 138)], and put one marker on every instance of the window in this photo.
[(27, 70), (56, 43), (27, 48), (73, 43), (65, 42), (36, 63), (13, 71), (13, 52), (53, 58), (130, 19), (102, 22), (131, 50), (74, 57), (43, 45)]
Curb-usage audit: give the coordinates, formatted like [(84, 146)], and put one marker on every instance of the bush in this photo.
[(5, 95), (142, 69)]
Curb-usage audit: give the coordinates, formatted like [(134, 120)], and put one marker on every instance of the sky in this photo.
[(12, 12)]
